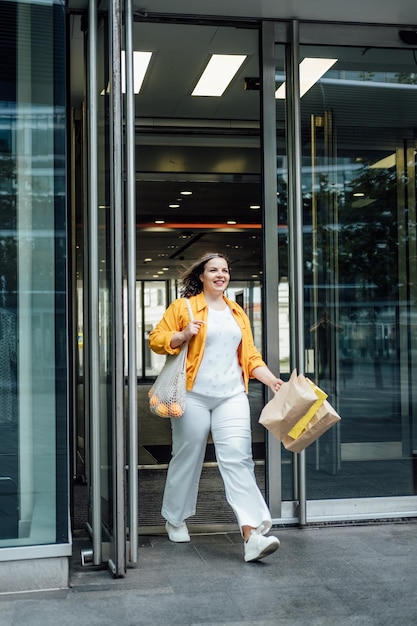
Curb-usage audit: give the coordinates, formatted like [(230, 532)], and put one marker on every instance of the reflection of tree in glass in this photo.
[(406, 79), (368, 235), (366, 75)]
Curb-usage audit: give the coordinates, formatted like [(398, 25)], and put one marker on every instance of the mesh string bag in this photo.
[(167, 394)]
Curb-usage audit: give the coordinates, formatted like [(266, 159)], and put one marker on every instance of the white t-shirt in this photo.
[(220, 374)]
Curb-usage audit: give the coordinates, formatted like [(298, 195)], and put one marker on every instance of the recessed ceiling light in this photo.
[(255, 207), (218, 74), (147, 260), (359, 195), (159, 221), (311, 70), (141, 62), (174, 206), (231, 222), (186, 193)]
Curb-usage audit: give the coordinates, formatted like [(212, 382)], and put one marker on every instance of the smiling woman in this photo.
[(221, 358)]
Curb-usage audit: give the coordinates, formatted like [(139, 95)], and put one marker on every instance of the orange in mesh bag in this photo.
[(167, 394)]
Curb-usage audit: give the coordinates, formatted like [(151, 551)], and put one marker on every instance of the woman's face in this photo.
[(215, 277)]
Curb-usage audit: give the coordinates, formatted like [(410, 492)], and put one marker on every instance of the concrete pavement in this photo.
[(350, 575)]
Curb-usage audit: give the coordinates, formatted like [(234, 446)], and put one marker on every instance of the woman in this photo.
[(221, 359)]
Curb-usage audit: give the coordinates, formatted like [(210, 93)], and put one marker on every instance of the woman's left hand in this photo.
[(276, 385), (265, 376)]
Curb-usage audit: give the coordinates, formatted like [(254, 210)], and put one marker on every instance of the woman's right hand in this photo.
[(192, 329), (188, 333)]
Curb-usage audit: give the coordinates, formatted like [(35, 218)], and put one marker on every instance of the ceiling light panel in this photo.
[(141, 62), (311, 70), (218, 74)]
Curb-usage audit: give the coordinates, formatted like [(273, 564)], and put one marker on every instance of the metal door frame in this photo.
[(118, 551), (290, 34)]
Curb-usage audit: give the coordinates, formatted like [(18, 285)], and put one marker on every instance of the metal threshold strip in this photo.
[(194, 529), (164, 466)]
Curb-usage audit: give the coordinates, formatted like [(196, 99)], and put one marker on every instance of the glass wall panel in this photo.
[(358, 140), (33, 338)]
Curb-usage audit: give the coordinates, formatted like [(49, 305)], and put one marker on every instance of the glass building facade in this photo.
[(33, 301), (106, 191)]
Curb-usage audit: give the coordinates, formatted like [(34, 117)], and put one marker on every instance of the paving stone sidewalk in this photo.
[(348, 575)]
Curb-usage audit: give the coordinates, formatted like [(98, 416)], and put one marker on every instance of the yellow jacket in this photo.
[(176, 318)]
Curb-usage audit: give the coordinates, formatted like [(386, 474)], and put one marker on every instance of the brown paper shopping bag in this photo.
[(324, 418), (300, 426), (290, 404)]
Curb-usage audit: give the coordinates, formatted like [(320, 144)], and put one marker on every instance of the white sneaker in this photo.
[(258, 546), (178, 534)]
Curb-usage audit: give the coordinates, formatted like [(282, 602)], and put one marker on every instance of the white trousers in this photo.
[(229, 422)]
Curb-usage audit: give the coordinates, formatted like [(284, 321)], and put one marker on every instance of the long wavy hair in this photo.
[(190, 279)]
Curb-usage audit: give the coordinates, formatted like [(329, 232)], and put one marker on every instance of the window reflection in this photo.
[(33, 472), (356, 247), (359, 236)]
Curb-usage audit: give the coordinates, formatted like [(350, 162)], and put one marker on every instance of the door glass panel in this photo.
[(154, 305), (105, 319), (283, 299), (199, 190), (95, 429), (359, 268)]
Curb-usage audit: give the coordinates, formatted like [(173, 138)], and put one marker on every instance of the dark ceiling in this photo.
[(211, 146)]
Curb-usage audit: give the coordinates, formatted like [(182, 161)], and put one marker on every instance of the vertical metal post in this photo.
[(270, 239), (24, 207), (410, 178), (131, 286), (118, 561), (93, 306), (74, 368), (295, 228)]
